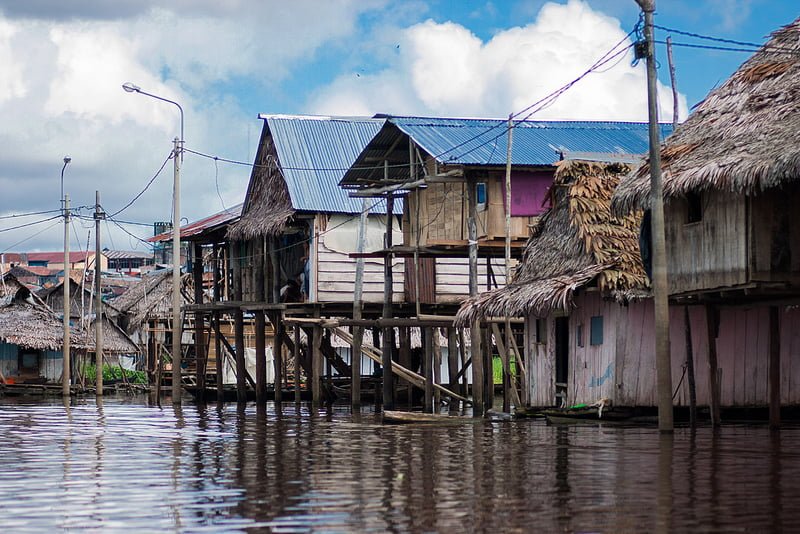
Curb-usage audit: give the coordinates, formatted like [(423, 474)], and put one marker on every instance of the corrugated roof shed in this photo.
[(315, 152), (206, 224), (483, 142)]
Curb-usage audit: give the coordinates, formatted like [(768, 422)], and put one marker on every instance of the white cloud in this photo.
[(444, 69), (11, 83)]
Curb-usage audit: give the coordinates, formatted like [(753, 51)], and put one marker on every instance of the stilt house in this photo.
[(731, 177), (584, 294), (452, 170)]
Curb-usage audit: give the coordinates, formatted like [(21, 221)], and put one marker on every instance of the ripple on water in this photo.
[(127, 465)]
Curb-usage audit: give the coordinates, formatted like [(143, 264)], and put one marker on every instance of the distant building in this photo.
[(129, 262)]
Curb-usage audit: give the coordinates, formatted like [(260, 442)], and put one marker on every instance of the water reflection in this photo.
[(123, 463)]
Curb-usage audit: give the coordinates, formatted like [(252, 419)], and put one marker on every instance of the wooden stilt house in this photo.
[(731, 177)]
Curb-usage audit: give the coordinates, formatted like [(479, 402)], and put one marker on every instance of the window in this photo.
[(480, 195), (596, 330), (694, 208)]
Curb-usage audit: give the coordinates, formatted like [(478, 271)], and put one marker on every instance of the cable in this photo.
[(129, 204), (18, 243), (130, 234), (708, 37), (726, 48), (29, 214), (29, 224), (216, 182)]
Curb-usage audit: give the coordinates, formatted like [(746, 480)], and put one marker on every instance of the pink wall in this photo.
[(528, 192)]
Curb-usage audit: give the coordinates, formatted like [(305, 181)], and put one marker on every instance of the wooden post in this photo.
[(673, 82), (261, 356), (388, 290), (437, 367), (316, 362), (358, 331), (507, 331), (712, 323), (660, 285), (690, 369), (220, 360), (199, 326), (99, 215), (452, 363), (475, 333), (774, 368), (278, 330), (296, 355), (260, 320), (427, 367), (238, 326)]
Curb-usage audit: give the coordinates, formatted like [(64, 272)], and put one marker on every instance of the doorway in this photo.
[(562, 360)]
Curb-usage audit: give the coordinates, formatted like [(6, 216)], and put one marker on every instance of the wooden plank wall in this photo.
[(775, 236), (711, 253), (452, 278), (541, 363)]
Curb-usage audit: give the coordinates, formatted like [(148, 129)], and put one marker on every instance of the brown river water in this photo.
[(129, 466)]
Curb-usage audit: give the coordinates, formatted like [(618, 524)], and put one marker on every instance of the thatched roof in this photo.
[(575, 243), (149, 299), (267, 206), (27, 322), (743, 138)]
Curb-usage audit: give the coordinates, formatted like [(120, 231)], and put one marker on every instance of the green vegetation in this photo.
[(113, 373), (497, 370)]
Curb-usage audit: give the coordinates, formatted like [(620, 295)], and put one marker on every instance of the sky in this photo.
[(227, 61)]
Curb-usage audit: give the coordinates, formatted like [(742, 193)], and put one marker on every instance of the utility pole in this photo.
[(177, 323), (660, 288), (99, 215), (507, 383), (65, 373)]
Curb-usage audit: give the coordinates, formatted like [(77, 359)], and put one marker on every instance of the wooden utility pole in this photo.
[(674, 83), (98, 298), (65, 373), (506, 363), (475, 332), (388, 291), (358, 331), (660, 287)]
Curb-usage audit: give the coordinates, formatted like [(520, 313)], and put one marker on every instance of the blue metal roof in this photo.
[(484, 141), (315, 152)]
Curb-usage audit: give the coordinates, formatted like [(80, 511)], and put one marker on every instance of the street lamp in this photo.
[(65, 348), (176, 246)]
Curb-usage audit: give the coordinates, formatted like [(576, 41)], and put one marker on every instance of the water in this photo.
[(125, 465)]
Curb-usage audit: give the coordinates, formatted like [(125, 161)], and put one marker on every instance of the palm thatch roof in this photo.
[(29, 323), (575, 243), (743, 138), (267, 206), (149, 299)]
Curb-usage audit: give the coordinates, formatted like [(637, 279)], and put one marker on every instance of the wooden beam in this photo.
[(261, 358), (427, 366), (712, 324), (296, 354)]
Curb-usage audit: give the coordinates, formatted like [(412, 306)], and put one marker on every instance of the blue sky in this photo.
[(226, 61)]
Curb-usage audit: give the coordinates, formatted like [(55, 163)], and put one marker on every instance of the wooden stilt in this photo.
[(712, 322), (388, 290), (774, 367), (488, 366), (437, 367), (452, 364), (405, 358), (278, 330), (199, 322), (316, 365), (475, 333), (261, 357), (427, 366), (296, 354), (217, 291), (241, 365), (690, 368)]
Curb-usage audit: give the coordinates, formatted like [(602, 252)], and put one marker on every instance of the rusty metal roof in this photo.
[(203, 226)]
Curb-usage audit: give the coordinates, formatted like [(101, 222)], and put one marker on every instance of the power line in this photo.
[(18, 243), (32, 213), (752, 47), (146, 187), (29, 224)]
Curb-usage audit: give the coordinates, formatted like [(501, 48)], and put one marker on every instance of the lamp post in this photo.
[(65, 370), (176, 246)]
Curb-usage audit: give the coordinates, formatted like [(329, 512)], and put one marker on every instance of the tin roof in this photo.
[(204, 225), (314, 152), (127, 254), (483, 142)]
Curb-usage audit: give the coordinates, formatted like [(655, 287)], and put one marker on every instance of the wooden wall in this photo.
[(452, 278), (711, 253), (50, 363), (623, 367)]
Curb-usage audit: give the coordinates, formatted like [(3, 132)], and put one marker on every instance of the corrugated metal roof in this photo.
[(315, 152), (483, 141), (205, 224), (127, 254)]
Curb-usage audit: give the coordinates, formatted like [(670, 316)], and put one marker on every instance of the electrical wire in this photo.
[(216, 182), (16, 215), (146, 187), (18, 243), (29, 224)]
